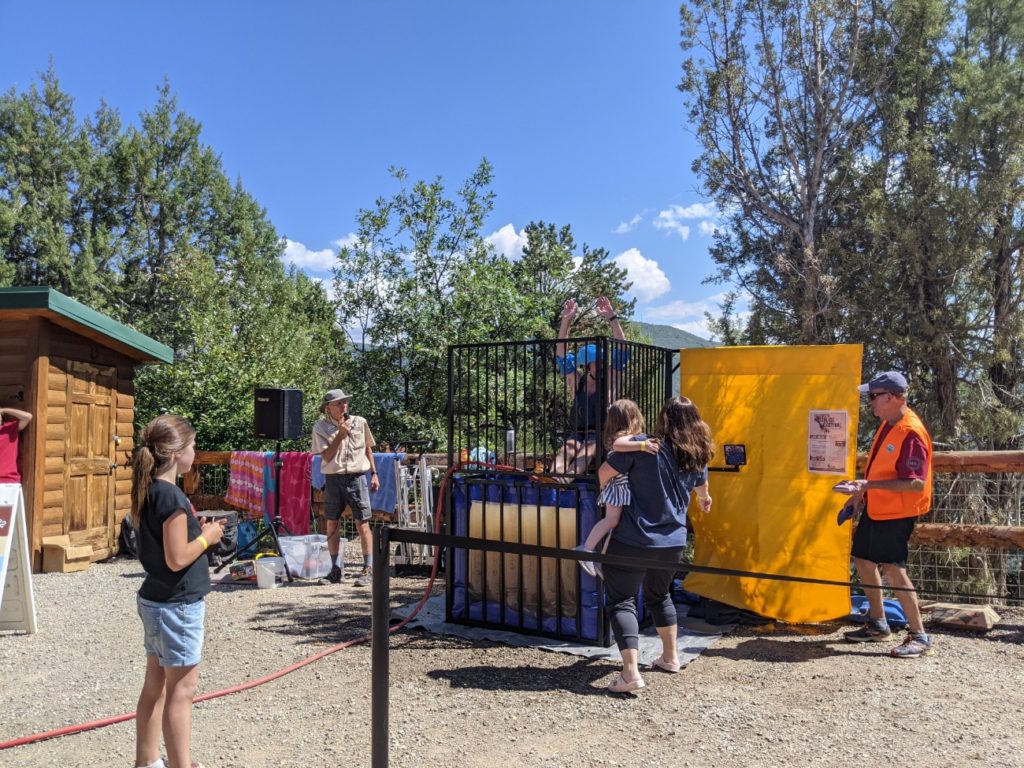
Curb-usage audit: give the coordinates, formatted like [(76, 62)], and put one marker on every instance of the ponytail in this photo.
[(160, 440)]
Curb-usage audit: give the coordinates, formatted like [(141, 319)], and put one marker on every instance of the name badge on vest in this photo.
[(890, 448)]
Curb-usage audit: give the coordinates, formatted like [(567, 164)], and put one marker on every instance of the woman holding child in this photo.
[(653, 528)]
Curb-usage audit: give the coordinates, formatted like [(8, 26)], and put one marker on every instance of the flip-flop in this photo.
[(619, 685), (665, 666)]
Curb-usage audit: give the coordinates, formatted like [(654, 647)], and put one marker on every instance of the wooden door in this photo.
[(90, 457)]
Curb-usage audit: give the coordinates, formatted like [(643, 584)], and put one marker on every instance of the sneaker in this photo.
[(871, 632), (588, 567), (913, 647), (365, 578), (335, 575)]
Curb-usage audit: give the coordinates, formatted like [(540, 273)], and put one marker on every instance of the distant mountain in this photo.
[(673, 338)]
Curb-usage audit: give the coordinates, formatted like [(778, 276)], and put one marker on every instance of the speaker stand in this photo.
[(274, 529)]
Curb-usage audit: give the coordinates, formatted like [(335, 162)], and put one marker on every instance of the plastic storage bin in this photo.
[(307, 556)]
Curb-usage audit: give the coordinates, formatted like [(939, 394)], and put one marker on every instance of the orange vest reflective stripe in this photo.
[(892, 505)]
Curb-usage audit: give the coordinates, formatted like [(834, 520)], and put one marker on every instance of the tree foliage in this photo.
[(871, 158), (421, 276), (142, 224)]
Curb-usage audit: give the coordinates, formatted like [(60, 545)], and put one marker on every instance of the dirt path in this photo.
[(776, 696)]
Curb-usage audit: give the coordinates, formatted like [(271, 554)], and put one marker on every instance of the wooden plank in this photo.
[(975, 536), (52, 529), (34, 456), (978, 461), (56, 398), (54, 431), (11, 361), (57, 381), (959, 462), (53, 464), (55, 447), (53, 482)]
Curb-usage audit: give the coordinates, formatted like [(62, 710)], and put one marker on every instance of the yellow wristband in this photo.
[(643, 446), (206, 544)]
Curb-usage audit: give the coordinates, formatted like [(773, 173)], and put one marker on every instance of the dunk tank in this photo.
[(512, 408)]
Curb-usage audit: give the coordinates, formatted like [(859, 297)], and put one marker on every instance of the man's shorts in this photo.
[(347, 489), (173, 632), (883, 541)]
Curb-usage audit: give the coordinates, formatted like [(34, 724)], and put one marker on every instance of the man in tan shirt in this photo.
[(345, 444)]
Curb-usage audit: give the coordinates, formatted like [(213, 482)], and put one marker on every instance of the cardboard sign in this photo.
[(17, 602)]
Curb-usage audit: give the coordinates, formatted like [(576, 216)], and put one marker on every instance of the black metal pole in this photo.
[(379, 664), (276, 524)]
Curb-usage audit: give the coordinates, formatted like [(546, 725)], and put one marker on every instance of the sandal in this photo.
[(621, 685), (672, 667)]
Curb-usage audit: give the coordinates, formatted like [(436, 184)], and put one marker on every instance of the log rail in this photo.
[(996, 537)]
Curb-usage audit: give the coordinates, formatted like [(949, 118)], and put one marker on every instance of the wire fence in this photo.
[(972, 574)]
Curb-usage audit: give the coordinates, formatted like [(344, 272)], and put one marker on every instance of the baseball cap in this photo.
[(888, 381)]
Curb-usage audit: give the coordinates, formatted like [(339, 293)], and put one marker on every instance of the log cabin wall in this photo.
[(90, 406), (73, 369)]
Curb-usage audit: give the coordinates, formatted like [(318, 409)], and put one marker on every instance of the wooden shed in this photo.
[(73, 368)]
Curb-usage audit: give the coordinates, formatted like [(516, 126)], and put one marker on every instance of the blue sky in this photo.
[(573, 102)]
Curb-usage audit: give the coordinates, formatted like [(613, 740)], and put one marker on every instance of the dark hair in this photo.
[(680, 425), (623, 418), (159, 441)]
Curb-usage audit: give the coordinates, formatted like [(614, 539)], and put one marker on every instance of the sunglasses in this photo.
[(873, 395)]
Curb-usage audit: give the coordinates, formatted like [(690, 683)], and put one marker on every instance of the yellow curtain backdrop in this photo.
[(777, 514)]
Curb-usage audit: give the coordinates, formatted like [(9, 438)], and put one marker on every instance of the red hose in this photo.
[(68, 730)]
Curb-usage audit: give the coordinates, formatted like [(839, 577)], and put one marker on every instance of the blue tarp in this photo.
[(468, 604)]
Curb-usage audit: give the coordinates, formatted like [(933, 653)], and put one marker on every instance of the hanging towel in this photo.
[(295, 491), (269, 486), (385, 499), (245, 482), (317, 476)]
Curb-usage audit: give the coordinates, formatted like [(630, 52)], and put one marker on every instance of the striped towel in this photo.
[(245, 483)]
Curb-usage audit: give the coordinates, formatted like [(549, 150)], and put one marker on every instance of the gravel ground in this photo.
[(774, 695)]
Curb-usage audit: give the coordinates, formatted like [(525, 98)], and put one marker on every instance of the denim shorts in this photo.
[(173, 631)]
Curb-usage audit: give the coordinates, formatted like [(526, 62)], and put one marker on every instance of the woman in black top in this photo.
[(172, 548)]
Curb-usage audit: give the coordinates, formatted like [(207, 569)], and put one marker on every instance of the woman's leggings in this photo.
[(622, 584)]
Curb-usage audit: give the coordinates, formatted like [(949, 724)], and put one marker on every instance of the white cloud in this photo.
[(690, 315), (672, 219), (708, 228), (627, 226), (305, 259), (507, 242), (347, 241), (649, 282)]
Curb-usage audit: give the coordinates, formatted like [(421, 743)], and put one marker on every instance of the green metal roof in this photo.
[(43, 300)]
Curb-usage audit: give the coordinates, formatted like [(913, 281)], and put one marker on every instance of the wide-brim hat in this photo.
[(332, 396)]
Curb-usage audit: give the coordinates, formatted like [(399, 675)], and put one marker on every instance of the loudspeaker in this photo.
[(278, 413)]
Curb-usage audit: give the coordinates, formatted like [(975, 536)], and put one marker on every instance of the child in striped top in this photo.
[(624, 430)]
